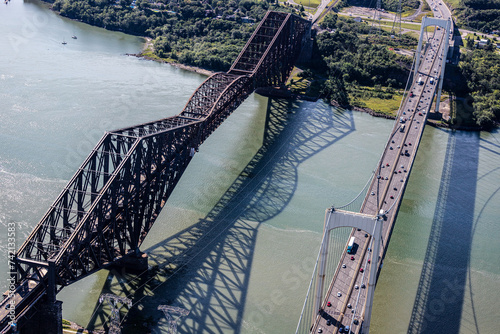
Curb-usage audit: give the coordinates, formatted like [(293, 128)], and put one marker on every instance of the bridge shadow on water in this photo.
[(438, 305), (206, 267)]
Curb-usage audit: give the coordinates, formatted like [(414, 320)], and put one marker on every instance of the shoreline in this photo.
[(148, 46), (428, 122), (287, 95)]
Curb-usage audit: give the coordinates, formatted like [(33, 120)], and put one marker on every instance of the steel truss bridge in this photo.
[(108, 207)]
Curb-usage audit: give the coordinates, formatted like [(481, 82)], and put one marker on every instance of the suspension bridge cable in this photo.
[(388, 141), (359, 194), (311, 282)]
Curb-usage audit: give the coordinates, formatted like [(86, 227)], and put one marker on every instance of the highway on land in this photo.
[(342, 311)]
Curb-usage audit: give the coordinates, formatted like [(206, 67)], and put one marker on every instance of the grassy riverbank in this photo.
[(149, 53)]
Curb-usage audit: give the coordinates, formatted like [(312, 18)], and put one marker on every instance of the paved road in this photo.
[(345, 301), (320, 9), (414, 15)]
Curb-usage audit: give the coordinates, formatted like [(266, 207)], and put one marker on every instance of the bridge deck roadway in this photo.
[(344, 303)]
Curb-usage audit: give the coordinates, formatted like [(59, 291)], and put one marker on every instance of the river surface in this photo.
[(237, 241)]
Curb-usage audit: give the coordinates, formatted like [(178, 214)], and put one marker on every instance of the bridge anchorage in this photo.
[(106, 210)]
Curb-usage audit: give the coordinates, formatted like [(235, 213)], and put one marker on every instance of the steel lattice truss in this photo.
[(114, 319), (272, 50), (110, 204), (173, 314)]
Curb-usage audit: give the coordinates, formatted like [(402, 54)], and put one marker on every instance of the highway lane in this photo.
[(346, 296)]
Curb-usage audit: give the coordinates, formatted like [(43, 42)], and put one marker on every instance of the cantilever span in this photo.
[(106, 210)]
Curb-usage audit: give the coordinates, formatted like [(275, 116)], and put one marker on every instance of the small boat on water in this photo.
[(74, 36), (64, 42)]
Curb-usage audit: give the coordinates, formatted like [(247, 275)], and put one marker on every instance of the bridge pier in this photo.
[(134, 262), (47, 319), (117, 193), (307, 46)]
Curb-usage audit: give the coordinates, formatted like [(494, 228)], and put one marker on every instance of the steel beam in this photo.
[(112, 201)]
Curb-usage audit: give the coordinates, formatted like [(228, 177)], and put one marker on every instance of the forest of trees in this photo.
[(208, 33), (211, 33), (351, 57), (482, 70), (482, 15), (390, 5)]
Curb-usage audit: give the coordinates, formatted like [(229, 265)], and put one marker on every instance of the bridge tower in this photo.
[(368, 223), (446, 25), (48, 317)]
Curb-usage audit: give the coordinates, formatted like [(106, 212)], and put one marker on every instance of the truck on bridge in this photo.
[(350, 246)]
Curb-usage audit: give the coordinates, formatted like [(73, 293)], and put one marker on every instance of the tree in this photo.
[(469, 43), (481, 68), (306, 74), (486, 108), (335, 90), (330, 21), (142, 4)]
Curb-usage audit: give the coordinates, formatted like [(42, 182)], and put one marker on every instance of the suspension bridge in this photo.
[(340, 295), (106, 210)]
